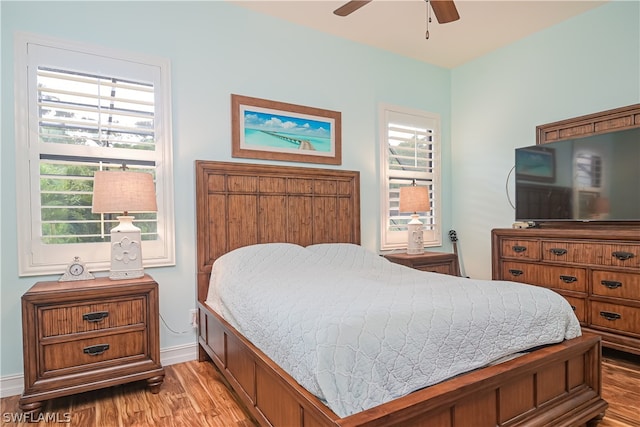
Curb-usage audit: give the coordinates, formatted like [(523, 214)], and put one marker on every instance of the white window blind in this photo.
[(95, 110), (87, 109), (409, 152)]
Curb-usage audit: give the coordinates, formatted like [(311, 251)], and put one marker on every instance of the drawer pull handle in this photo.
[(568, 279), (519, 248), (95, 316), (515, 272), (622, 256), (573, 307), (558, 251), (610, 316), (96, 350), (611, 284)]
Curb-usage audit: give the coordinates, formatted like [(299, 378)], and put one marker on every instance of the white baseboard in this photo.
[(12, 385), (179, 354)]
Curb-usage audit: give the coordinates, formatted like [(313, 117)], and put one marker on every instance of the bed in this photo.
[(248, 205)]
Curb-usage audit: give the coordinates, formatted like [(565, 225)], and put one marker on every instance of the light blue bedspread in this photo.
[(357, 330)]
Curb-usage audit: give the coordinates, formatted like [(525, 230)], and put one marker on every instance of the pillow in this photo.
[(348, 256)]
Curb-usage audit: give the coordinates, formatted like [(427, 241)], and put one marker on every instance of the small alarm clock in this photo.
[(76, 270)]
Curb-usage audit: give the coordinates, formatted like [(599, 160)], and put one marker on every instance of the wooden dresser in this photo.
[(436, 262), (85, 335), (597, 271)]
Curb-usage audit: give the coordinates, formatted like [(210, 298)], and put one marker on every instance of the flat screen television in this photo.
[(595, 178)]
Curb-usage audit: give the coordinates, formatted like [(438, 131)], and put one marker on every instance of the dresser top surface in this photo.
[(603, 234)]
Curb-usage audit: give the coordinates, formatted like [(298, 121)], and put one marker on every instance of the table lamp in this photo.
[(124, 192), (414, 199)]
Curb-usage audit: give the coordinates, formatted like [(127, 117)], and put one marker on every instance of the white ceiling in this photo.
[(400, 25)]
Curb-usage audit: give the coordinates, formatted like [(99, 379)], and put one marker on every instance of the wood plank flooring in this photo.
[(621, 388), (194, 394)]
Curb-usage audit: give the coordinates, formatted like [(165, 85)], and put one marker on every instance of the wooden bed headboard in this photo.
[(241, 204)]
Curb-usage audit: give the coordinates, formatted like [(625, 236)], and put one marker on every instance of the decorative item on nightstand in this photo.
[(414, 199), (76, 270), (123, 191)]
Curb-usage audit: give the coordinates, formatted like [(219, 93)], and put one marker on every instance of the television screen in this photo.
[(596, 178)]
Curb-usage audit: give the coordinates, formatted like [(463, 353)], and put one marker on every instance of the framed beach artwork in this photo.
[(270, 130)]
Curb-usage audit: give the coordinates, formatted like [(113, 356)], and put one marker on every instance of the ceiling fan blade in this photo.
[(445, 10), (350, 7)]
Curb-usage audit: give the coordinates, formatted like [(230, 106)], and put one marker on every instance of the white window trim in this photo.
[(38, 259), (392, 240)]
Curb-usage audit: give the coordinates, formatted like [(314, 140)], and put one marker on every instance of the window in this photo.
[(588, 168), (409, 150), (80, 109), (587, 177)]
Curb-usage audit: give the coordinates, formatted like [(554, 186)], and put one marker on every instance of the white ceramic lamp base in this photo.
[(126, 250), (415, 241)]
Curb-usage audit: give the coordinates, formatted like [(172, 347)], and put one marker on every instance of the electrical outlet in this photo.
[(193, 317)]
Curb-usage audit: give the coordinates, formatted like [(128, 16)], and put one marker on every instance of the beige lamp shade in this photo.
[(414, 199), (123, 192)]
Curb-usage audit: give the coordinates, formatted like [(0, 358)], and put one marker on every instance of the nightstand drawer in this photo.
[(444, 268), (93, 351), (72, 319)]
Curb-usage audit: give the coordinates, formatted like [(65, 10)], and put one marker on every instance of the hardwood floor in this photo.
[(621, 388), (193, 394)]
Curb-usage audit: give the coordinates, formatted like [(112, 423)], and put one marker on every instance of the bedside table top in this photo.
[(97, 283), (435, 262), (426, 254)]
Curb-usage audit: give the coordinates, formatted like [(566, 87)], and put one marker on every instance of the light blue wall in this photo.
[(216, 49), (488, 107), (587, 64)]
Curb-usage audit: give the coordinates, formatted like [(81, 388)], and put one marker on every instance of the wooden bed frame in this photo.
[(241, 204)]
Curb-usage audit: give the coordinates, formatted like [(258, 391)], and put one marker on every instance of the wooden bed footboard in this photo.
[(558, 385)]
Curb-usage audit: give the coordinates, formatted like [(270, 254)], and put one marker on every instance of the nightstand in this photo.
[(86, 335), (437, 262)]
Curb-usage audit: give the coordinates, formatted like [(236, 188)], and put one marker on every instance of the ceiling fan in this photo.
[(445, 10)]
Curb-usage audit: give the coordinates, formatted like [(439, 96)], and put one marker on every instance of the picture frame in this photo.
[(536, 164), (271, 130)]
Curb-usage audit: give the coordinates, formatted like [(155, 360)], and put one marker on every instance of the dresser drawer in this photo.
[(93, 351), (579, 306), (616, 284), (620, 255), (596, 267), (525, 249), (615, 316), (557, 277), (70, 319), (570, 252)]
